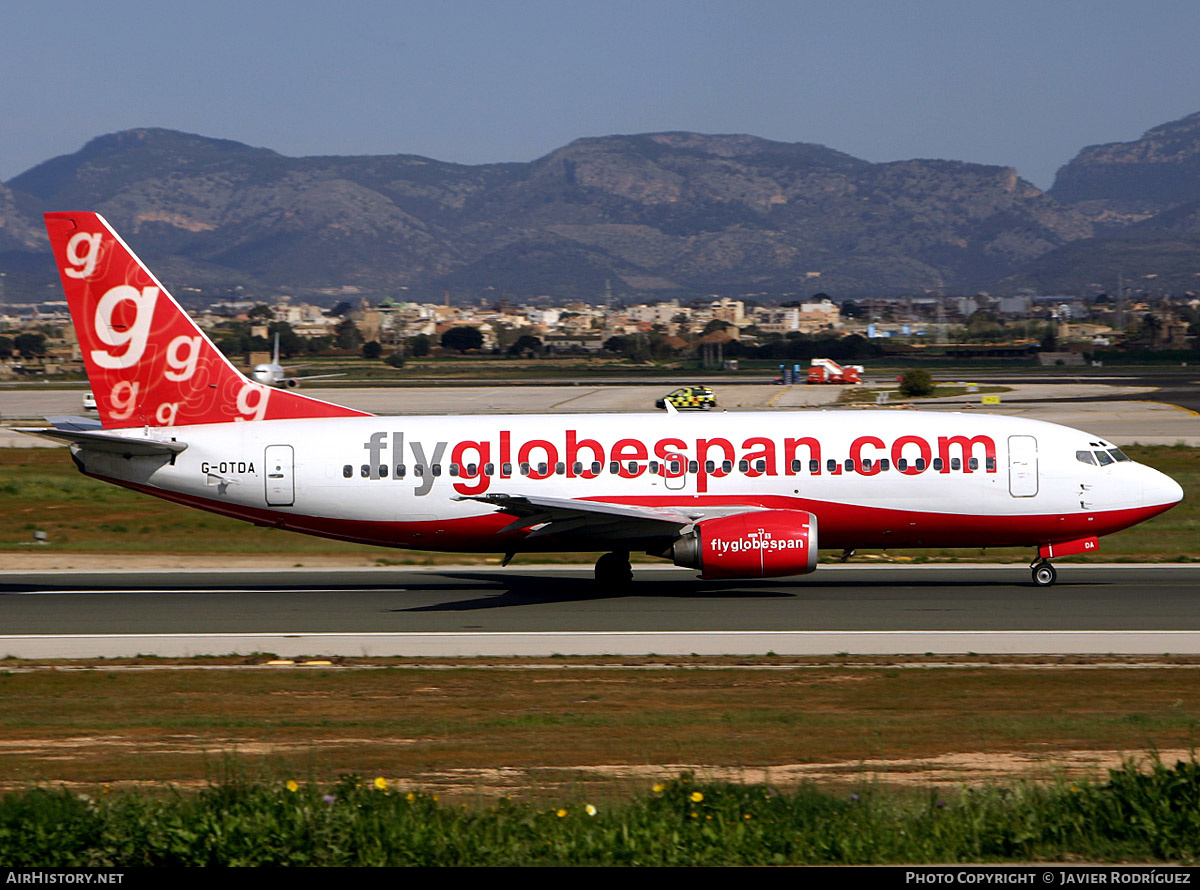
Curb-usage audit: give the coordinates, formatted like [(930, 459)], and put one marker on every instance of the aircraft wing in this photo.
[(317, 376), (594, 520)]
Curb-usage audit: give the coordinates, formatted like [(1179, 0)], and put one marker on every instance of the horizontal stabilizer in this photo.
[(128, 446), (72, 422)]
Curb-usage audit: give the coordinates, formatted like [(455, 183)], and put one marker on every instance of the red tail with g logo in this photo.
[(148, 363)]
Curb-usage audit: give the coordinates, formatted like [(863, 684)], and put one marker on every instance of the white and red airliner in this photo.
[(746, 495)]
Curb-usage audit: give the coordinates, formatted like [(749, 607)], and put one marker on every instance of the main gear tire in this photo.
[(614, 571)]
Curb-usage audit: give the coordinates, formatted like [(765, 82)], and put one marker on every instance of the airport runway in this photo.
[(541, 611)]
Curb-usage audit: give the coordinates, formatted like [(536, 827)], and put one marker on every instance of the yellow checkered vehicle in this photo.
[(700, 398)]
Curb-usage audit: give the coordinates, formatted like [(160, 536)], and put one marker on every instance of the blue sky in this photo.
[(1018, 83)]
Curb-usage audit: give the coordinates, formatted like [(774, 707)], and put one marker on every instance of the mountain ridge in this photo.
[(656, 214)]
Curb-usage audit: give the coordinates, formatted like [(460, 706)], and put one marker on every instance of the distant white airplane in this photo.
[(274, 374), (740, 495)]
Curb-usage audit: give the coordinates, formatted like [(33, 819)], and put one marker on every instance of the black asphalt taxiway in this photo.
[(666, 610)]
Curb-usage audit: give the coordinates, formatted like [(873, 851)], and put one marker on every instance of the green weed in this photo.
[(1133, 816)]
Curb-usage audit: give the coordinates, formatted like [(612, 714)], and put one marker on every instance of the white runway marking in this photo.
[(629, 643)]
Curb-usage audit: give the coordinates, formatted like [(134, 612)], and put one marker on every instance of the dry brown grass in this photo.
[(485, 729)]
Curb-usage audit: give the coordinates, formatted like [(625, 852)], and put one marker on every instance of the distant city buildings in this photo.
[(676, 327)]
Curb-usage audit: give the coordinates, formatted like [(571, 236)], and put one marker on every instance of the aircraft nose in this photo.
[(1160, 490)]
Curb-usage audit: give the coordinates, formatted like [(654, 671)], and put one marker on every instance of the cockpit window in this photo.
[(1104, 458), (1118, 454), (1085, 457)]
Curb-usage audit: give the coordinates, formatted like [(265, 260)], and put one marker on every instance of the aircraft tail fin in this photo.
[(147, 361)]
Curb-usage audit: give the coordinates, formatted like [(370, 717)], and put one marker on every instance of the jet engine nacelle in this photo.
[(761, 544)]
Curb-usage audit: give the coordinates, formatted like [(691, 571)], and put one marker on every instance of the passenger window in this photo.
[(596, 467), (760, 465), (654, 468), (743, 466), (831, 465), (973, 464), (347, 471), (850, 464), (710, 466), (524, 469), (795, 466), (560, 468), (399, 471), (955, 463), (920, 463), (453, 469), (418, 470), (937, 464), (364, 471), (542, 468), (693, 467), (472, 469), (437, 469), (489, 469), (383, 470), (814, 466), (577, 467), (614, 467), (991, 464), (866, 465), (884, 464), (506, 469), (631, 467), (901, 464), (726, 466)]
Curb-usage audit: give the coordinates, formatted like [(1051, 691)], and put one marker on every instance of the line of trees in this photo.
[(26, 345)]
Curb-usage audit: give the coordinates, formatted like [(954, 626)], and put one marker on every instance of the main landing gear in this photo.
[(1043, 573), (613, 570)]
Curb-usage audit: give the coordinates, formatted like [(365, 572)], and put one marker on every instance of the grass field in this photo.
[(523, 728), (40, 490)]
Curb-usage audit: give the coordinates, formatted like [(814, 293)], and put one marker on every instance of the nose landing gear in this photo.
[(1043, 573)]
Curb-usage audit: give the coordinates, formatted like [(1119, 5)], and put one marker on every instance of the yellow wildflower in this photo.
[(292, 785), (590, 810), (380, 783), (561, 813), (697, 797)]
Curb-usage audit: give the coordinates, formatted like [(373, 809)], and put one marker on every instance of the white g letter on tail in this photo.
[(182, 367), (256, 410), (165, 415), (84, 264), (123, 399), (137, 333)]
